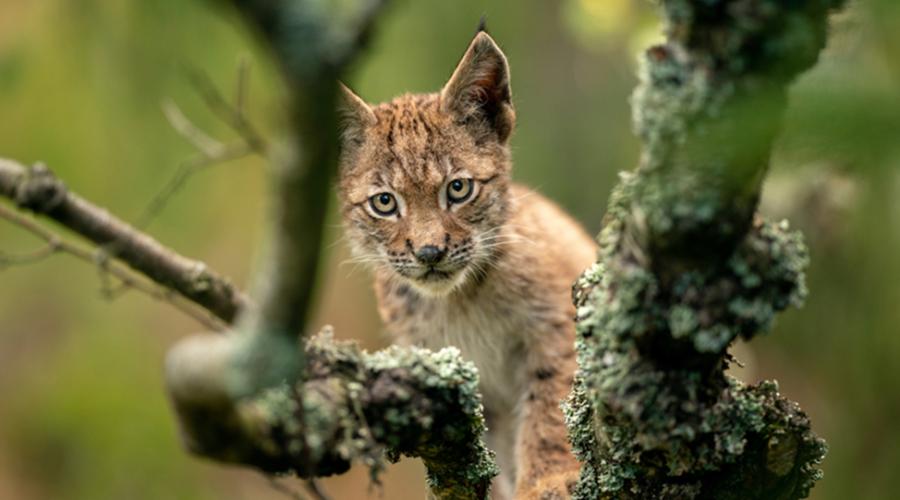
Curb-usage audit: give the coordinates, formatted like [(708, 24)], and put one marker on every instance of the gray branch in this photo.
[(36, 189)]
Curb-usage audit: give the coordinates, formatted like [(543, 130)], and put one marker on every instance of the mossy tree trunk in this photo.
[(686, 267)]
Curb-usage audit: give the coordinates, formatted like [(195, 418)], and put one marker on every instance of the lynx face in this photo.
[(424, 178)]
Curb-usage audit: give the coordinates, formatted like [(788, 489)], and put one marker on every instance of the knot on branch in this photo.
[(200, 278), (39, 190)]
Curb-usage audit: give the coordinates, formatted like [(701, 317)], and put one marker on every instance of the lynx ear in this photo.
[(478, 93), (355, 116)]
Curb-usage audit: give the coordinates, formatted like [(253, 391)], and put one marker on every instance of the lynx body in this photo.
[(464, 257)]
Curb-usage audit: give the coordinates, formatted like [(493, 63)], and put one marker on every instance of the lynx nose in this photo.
[(430, 254)]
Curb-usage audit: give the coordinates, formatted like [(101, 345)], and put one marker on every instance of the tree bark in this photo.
[(686, 267)]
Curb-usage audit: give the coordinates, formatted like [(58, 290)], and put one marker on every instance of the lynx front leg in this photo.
[(546, 468)]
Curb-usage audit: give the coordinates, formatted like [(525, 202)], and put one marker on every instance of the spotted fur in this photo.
[(508, 256)]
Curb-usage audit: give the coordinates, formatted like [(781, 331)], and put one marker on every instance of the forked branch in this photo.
[(55, 244), (38, 190)]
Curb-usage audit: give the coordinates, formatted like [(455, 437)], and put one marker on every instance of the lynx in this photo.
[(464, 257)]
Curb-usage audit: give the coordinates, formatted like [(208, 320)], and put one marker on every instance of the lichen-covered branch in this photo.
[(36, 189), (353, 406), (686, 267)]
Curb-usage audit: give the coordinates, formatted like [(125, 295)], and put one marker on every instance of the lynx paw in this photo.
[(554, 487)]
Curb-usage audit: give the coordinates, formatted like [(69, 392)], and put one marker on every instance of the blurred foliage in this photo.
[(82, 411)]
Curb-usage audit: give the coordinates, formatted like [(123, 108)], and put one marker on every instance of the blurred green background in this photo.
[(82, 410)]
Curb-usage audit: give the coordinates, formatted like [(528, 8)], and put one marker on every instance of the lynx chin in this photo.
[(463, 256)]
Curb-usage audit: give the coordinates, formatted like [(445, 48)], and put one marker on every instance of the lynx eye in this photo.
[(384, 204), (459, 190)]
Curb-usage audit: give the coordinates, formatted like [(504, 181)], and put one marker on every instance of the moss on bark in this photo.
[(686, 267), (357, 406)]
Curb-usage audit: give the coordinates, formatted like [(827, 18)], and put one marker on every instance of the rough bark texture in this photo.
[(352, 406), (686, 268)]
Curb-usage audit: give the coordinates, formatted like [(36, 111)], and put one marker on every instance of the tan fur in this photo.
[(502, 291)]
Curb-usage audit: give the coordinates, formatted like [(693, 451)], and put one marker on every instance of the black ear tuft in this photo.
[(482, 25)]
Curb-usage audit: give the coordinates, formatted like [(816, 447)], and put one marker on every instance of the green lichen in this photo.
[(450, 417), (686, 267), (356, 406), (652, 410), (707, 111)]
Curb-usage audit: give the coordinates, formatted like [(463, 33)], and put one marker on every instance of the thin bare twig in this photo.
[(38, 190), (232, 115), (9, 260), (127, 280), (242, 84), (185, 170), (211, 151), (210, 147)]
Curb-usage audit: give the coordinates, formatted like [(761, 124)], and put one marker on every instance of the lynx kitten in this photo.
[(465, 257)]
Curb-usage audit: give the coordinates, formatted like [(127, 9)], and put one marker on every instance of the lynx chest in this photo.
[(489, 334)]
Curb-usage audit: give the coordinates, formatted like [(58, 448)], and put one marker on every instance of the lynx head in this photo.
[(424, 178)]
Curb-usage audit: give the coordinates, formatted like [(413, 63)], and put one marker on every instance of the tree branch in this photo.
[(211, 151), (313, 42), (127, 279), (232, 115), (38, 190), (253, 396), (685, 268), (352, 406)]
